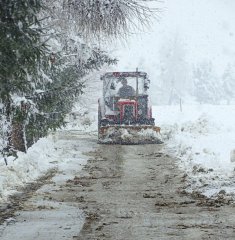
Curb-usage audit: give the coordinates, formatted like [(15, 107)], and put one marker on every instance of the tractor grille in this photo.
[(129, 113)]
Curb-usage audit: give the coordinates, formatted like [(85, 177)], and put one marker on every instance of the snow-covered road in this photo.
[(123, 192), (34, 213), (194, 164)]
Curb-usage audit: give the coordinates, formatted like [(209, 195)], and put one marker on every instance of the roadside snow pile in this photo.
[(61, 151), (129, 135), (27, 167), (82, 119), (202, 137)]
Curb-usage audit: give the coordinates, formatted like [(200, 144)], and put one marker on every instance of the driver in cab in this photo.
[(126, 90)]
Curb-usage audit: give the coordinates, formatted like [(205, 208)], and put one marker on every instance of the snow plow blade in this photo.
[(129, 135)]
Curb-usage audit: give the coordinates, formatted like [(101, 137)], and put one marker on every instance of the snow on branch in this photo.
[(110, 17)]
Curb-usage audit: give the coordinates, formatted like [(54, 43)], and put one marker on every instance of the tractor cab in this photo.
[(125, 99)]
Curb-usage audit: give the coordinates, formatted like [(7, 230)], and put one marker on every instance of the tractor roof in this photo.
[(124, 74)]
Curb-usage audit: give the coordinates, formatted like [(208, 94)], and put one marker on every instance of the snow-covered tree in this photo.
[(39, 83), (22, 52), (70, 60), (228, 79), (207, 87), (73, 56), (174, 70), (109, 18)]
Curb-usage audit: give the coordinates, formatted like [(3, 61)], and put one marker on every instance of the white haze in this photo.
[(194, 31)]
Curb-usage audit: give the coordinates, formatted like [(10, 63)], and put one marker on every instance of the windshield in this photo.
[(124, 87)]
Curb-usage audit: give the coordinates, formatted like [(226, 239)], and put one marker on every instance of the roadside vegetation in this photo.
[(46, 50)]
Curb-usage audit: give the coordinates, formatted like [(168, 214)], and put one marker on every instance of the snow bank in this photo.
[(61, 151), (202, 137), (27, 167), (83, 119), (54, 151)]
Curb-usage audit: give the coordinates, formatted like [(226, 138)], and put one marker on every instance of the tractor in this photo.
[(125, 111)]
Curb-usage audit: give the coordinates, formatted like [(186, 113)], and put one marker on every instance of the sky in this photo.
[(205, 29)]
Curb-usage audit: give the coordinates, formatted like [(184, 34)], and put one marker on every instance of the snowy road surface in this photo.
[(123, 192)]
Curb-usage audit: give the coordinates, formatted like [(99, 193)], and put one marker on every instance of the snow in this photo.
[(82, 119), (27, 167), (202, 137), (47, 154), (129, 135), (45, 219)]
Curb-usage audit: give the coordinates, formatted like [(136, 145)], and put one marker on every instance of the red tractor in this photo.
[(125, 106)]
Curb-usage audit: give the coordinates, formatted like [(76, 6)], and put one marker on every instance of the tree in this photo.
[(174, 70), (111, 18), (228, 79), (57, 99), (21, 55), (71, 59), (208, 88), (39, 82)]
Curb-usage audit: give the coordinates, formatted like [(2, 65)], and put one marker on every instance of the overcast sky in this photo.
[(206, 29)]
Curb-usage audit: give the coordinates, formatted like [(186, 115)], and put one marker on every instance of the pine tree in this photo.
[(59, 95), (71, 59), (21, 54)]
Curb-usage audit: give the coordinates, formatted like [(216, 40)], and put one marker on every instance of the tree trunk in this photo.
[(17, 137)]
